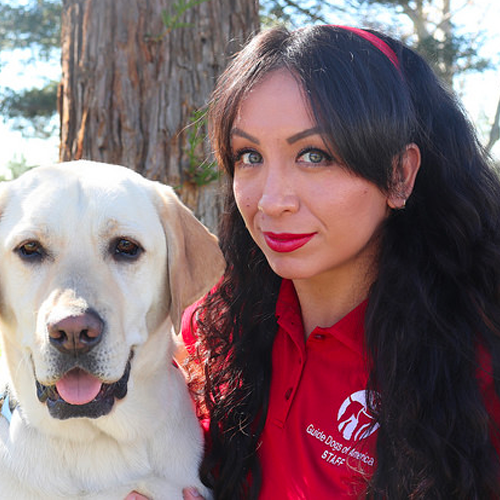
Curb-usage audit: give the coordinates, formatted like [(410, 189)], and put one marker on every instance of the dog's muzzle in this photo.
[(81, 395)]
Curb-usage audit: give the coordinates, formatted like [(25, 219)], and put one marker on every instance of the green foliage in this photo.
[(293, 13), (200, 171), (455, 54), (16, 166), (36, 25), (172, 19), (29, 103), (31, 109)]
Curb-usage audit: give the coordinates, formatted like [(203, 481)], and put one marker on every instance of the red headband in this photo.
[(375, 41)]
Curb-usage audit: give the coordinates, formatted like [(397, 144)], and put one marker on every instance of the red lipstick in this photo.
[(286, 242)]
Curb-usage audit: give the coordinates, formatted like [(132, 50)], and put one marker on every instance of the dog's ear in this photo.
[(195, 261)]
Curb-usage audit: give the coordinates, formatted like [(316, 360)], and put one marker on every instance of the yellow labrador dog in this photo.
[(96, 266)]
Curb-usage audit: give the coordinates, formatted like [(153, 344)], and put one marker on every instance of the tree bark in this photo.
[(495, 129), (131, 86)]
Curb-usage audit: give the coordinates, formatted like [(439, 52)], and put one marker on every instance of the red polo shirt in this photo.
[(319, 438)]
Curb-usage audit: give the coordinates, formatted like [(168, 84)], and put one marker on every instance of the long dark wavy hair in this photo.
[(436, 296)]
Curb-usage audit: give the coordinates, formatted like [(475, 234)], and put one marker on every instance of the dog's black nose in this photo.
[(76, 334)]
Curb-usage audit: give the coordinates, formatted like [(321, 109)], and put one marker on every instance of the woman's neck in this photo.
[(327, 299)]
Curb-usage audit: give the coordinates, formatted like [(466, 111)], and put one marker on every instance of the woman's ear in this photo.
[(404, 177)]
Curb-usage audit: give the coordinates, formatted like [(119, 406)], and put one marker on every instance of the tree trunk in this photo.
[(495, 129), (134, 82)]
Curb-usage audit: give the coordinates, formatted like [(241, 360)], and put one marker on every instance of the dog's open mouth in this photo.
[(80, 394)]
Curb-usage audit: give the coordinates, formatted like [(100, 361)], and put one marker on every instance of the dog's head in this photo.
[(95, 260)]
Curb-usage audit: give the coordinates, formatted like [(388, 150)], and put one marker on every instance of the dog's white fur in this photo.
[(150, 441)]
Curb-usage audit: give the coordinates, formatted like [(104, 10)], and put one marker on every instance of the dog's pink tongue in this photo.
[(78, 387)]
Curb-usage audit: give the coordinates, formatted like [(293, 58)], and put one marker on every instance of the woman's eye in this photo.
[(315, 156), (248, 158)]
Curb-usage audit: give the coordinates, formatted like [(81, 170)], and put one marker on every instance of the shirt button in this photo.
[(288, 393), (319, 336)]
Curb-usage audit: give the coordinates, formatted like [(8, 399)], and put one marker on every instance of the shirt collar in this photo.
[(349, 330)]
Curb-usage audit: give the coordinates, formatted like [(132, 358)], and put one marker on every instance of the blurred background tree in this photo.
[(35, 26), (135, 78)]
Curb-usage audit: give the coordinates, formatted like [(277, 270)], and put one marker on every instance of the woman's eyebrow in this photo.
[(303, 134), (294, 138), (241, 133)]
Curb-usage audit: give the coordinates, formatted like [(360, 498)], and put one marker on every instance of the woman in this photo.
[(361, 207), (352, 347)]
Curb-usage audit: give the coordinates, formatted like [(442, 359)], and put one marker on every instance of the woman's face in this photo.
[(311, 217)]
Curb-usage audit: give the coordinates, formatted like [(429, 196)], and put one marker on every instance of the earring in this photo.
[(393, 205)]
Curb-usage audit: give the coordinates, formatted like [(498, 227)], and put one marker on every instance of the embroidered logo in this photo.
[(354, 420)]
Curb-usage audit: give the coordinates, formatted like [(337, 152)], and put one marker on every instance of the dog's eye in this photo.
[(123, 248), (31, 250)]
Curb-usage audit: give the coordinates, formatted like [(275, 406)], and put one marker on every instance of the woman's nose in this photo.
[(278, 194)]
